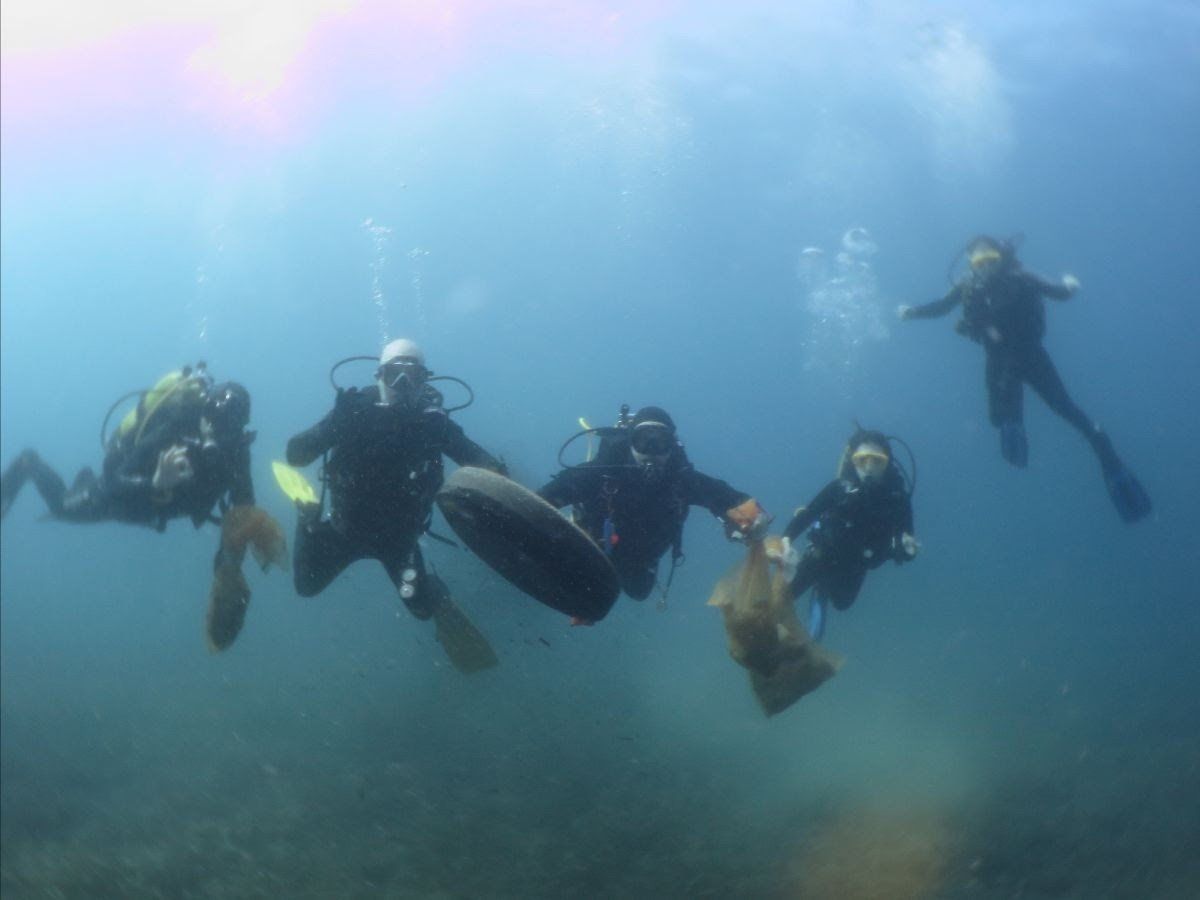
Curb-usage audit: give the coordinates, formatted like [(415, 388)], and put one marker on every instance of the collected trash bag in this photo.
[(765, 636), (242, 527)]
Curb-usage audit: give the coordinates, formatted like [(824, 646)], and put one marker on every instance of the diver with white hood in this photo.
[(383, 449)]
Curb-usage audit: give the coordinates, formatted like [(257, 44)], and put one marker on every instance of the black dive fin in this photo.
[(1014, 445), (1128, 495)]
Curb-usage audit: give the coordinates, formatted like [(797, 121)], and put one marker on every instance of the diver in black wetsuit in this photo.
[(856, 523), (1002, 309), (384, 468), (185, 457), (634, 497)]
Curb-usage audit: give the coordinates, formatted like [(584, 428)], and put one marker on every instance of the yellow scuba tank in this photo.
[(182, 387)]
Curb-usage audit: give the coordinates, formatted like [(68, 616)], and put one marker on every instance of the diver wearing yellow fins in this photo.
[(181, 452), (1002, 309), (383, 448)]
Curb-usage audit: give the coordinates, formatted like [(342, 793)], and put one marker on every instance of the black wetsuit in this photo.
[(124, 492), (1005, 313), (385, 466), (852, 528), (646, 513)]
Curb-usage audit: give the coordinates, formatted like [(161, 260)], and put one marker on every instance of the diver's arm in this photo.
[(715, 495), (466, 452), (933, 310), (1055, 290), (905, 545), (306, 446), (130, 470), (819, 504), (568, 487), (134, 473)]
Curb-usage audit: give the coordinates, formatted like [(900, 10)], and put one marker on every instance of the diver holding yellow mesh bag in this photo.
[(180, 452), (857, 522)]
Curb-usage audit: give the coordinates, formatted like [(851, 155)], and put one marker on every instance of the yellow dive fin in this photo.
[(293, 483), (591, 449)]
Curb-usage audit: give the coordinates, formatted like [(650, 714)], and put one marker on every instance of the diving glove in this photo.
[(747, 522)]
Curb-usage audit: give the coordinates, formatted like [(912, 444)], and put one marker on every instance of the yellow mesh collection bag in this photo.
[(242, 528), (765, 636)]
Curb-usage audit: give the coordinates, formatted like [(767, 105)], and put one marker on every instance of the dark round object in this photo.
[(527, 541)]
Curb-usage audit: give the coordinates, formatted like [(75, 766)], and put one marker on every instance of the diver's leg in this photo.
[(807, 571), (13, 479), (836, 586), (638, 582), (1006, 406), (420, 591), (86, 501), (843, 586), (1128, 495), (427, 596), (1043, 377), (808, 574), (29, 466), (322, 553)]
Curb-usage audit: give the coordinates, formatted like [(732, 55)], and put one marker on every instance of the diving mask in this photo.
[(400, 379), (652, 439), (396, 372), (983, 258), (870, 462)]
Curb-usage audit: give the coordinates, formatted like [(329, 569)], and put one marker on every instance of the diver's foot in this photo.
[(1013, 444)]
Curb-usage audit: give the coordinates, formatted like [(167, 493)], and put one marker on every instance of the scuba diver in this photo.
[(633, 498), (1002, 309), (183, 450), (383, 449), (857, 522)]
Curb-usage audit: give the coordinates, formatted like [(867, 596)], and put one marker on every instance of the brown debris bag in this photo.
[(765, 636), (242, 527)]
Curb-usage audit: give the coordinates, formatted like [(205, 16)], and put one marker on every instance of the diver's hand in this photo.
[(909, 546), (1071, 283), (786, 555), (173, 468), (904, 312), (747, 522)]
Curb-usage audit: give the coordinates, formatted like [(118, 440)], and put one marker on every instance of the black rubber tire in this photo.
[(529, 543)]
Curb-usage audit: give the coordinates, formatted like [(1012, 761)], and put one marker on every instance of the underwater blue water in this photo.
[(1018, 713)]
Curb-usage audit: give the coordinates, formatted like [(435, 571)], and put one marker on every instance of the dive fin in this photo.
[(1013, 444), (1128, 495), (293, 483), (468, 649)]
